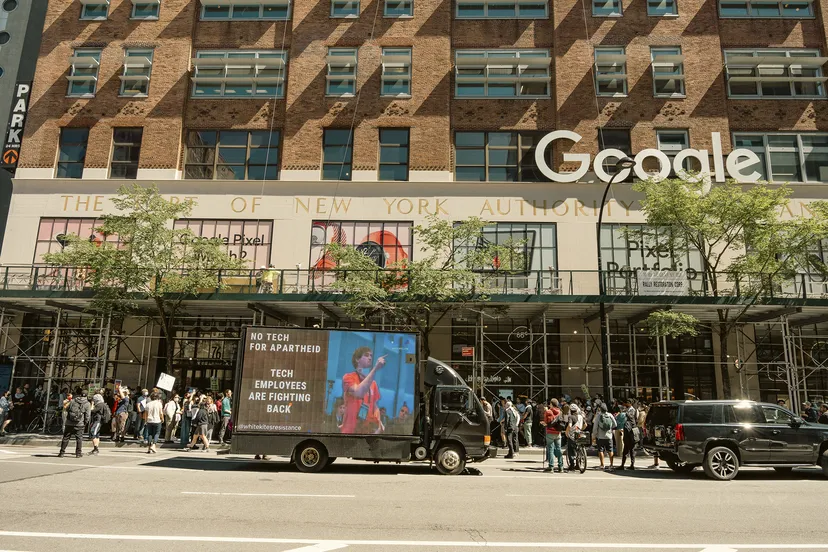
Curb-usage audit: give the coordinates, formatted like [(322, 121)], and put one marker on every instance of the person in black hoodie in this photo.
[(98, 417), (77, 416)]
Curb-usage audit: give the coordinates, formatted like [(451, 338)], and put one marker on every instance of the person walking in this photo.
[(213, 417), (141, 417), (526, 420), (186, 418), (97, 418), (630, 430), (511, 422), (199, 422), (554, 424), (618, 433), (602, 427), (154, 409), (226, 412), (77, 416), (5, 411), (172, 415)]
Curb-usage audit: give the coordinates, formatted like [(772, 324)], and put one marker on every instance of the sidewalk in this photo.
[(41, 440)]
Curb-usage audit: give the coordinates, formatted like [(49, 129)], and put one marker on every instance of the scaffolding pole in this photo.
[(54, 348)]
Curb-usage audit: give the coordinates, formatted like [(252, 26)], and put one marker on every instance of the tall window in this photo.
[(393, 161), (502, 73), (248, 240), (496, 9), (399, 8), (250, 11), (83, 73), (344, 8), (611, 71), (342, 71), (337, 153), (497, 156), (765, 9), (72, 152), (396, 72), (606, 8), (146, 10), (668, 71), (232, 155), (97, 11), (673, 141), (618, 138), (49, 228), (787, 157), (662, 7), (774, 73), (239, 73), (126, 151), (137, 69)]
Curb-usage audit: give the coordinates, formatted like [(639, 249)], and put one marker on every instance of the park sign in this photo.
[(733, 164), (14, 134)]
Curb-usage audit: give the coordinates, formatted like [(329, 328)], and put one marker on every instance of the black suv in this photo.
[(721, 436)]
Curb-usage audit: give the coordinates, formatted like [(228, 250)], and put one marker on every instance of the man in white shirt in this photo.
[(154, 410), (172, 415)]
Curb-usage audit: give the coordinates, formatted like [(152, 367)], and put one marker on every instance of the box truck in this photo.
[(317, 395)]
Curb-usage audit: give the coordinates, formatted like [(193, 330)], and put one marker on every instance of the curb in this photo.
[(38, 440)]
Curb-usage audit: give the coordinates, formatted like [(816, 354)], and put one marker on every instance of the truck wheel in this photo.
[(721, 463), (450, 460), (311, 457)]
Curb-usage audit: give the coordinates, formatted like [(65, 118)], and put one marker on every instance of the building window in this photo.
[(399, 8), (765, 9), (126, 150), (342, 71), (662, 7), (337, 152), (248, 240), (671, 142), (396, 72), (146, 10), (616, 138), (668, 71), (232, 155), (83, 73), (497, 156), (393, 155), (72, 152), (222, 10), (606, 8), (774, 73), (611, 71), (344, 8), (94, 11), (490, 9), (50, 228), (137, 69), (502, 73), (239, 73), (787, 157)]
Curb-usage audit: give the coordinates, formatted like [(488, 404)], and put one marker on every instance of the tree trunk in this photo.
[(169, 339)]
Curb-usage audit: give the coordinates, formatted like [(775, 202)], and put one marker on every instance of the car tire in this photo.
[(450, 460), (825, 464), (311, 457), (781, 470), (721, 463), (681, 467)]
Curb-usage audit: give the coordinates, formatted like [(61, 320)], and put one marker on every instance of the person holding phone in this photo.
[(361, 393)]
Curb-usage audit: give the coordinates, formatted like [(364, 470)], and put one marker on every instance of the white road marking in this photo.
[(606, 496), (416, 543), (269, 495), (322, 547), (719, 549), (7, 452)]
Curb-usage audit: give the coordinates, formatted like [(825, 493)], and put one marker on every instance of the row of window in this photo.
[(501, 73), (496, 156), (223, 10)]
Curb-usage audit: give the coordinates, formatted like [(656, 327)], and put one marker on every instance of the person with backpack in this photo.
[(77, 416), (100, 415), (154, 409), (574, 426), (213, 417), (602, 427), (186, 418), (618, 433), (199, 421), (511, 422), (630, 431), (554, 424)]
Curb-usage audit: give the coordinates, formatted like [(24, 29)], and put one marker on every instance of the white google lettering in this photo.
[(738, 160)]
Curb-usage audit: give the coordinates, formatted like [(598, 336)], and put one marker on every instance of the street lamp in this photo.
[(620, 165)]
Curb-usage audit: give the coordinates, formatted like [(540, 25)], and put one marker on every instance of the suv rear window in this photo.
[(697, 414), (662, 415)]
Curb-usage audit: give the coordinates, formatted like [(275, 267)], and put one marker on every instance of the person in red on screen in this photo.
[(361, 393)]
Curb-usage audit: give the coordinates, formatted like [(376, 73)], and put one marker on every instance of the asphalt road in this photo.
[(125, 499)]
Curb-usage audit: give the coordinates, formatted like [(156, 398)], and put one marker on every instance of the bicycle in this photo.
[(582, 440), (54, 422)]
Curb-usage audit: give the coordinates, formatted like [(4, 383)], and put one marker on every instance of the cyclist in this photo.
[(574, 427)]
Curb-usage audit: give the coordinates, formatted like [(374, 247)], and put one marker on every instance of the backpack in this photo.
[(212, 417), (559, 423), (605, 422), (74, 414), (106, 414)]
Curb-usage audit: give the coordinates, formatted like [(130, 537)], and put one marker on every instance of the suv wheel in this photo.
[(721, 463)]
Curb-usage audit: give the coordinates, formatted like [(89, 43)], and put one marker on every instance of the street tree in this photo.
[(150, 260), (751, 245), (456, 267)]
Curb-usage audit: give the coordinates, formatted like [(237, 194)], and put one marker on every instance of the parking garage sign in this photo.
[(17, 120)]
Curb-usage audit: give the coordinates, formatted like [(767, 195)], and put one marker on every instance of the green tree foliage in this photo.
[(150, 260), (671, 323), (455, 266), (748, 248)]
